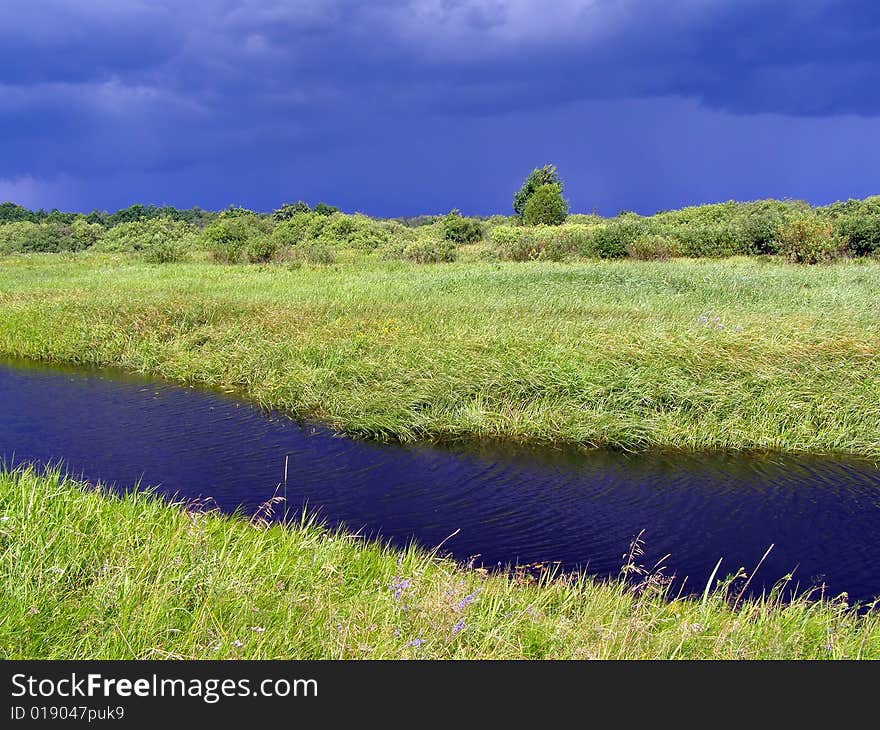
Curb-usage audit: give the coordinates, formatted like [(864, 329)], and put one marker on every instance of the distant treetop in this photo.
[(545, 175)]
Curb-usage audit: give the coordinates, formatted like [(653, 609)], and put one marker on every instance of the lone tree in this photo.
[(545, 206), (540, 176)]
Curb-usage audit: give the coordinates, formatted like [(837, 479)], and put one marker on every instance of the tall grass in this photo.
[(739, 353), (88, 575)]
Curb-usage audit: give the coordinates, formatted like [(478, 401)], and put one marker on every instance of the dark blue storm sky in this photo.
[(396, 107)]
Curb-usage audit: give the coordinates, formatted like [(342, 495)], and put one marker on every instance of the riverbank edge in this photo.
[(24, 361), (90, 574)]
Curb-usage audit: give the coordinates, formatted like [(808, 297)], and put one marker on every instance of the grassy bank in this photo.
[(736, 353), (87, 575)]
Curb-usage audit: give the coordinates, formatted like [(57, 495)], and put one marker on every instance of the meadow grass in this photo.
[(739, 353), (86, 575)]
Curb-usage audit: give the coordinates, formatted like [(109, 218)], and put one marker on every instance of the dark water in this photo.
[(509, 506)]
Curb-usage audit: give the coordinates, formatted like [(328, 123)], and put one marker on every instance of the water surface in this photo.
[(505, 505)]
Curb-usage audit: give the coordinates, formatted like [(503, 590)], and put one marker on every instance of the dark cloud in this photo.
[(265, 96)]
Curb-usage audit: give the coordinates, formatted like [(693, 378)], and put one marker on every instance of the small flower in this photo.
[(216, 647), (467, 600), (258, 629), (459, 626), (4, 518), (237, 643), (417, 643), (399, 585)]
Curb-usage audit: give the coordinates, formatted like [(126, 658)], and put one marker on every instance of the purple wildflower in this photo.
[(417, 643), (459, 626), (399, 585), (467, 600)]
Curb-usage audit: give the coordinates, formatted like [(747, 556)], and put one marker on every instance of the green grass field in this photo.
[(735, 353), (86, 576)]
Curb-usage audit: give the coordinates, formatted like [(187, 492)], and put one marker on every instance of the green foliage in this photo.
[(167, 251), (546, 175), (461, 230), (858, 208), (134, 213), (339, 230), (716, 230), (652, 247), (29, 237), (286, 211), (712, 240), (611, 241), (13, 213), (860, 232), (295, 229), (430, 251), (539, 243), (85, 234), (261, 249), (545, 206), (759, 231), (808, 240), (314, 253), (157, 240), (227, 237), (236, 211), (324, 209)]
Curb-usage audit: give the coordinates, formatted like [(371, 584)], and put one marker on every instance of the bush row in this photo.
[(804, 236), (296, 233)]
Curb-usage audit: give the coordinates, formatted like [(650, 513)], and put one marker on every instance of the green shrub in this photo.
[(324, 209), (295, 229), (711, 240), (286, 211), (338, 228), (261, 249), (611, 241), (316, 254), (228, 236), (808, 240), (85, 234), (545, 206), (29, 237), (652, 247), (157, 240), (861, 233), (546, 175), (538, 243), (513, 243), (430, 251), (759, 231), (461, 230), (166, 252), (587, 219)]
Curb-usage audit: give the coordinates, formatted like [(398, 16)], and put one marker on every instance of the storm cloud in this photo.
[(406, 107)]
